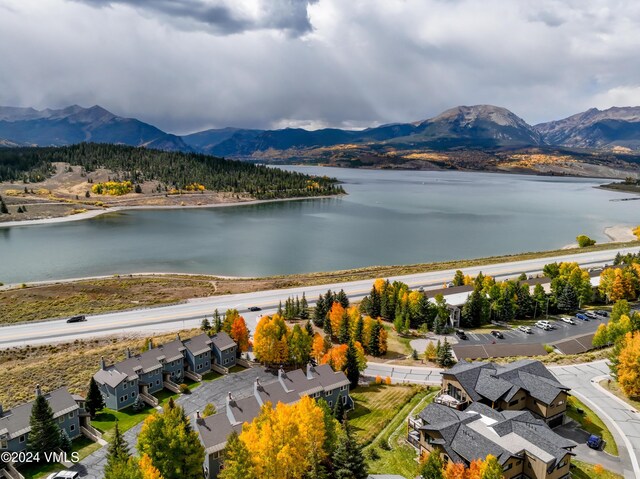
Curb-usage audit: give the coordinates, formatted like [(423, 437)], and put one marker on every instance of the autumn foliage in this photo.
[(628, 368)]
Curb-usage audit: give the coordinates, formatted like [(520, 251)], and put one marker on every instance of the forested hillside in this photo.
[(174, 170)]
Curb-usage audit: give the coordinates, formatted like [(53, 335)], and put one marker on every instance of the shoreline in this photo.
[(115, 209), (615, 233)]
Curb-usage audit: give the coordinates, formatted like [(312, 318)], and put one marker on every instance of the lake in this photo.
[(388, 217)]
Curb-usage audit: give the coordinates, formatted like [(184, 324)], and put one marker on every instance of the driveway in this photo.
[(571, 430), (239, 384)]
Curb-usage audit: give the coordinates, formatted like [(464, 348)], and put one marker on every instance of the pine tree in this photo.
[(348, 460), (279, 308), (118, 451), (65, 442), (205, 325), (359, 330), (338, 410), (304, 307), (344, 333), (217, 322), (95, 401), (309, 329), (374, 302), (445, 357), (327, 327), (237, 460), (374, 339), (351, 365), (342, 298), (45, 434), (319, 313), (568, 299), (458, 278)]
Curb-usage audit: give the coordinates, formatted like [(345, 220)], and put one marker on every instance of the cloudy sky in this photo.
[(186, 65)]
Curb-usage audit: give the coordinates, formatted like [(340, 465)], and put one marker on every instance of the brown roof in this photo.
[(578, 344), (486, 351)]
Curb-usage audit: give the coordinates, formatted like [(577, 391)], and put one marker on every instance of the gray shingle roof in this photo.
[(15, 422), (492, 381), (480, 430), (198, 344), (222, 341)]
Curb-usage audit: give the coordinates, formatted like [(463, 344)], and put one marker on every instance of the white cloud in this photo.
[(191, 64)]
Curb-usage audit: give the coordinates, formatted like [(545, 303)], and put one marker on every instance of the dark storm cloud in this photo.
[(223, 17)]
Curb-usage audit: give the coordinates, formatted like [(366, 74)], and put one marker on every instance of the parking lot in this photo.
[(540, 336)]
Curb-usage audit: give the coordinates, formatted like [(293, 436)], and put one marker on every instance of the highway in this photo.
[(190, 313)]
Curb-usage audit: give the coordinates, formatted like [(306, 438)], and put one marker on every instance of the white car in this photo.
[(567, 320), (543, 325), (64, 475), (525, 329)]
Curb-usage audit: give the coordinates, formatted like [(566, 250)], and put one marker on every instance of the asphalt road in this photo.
[(190, 313)]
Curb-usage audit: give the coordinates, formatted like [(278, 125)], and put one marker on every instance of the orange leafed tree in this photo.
[(240, 333), (317, 347), (336, 357), (455, 470), (148, 470), (336, 316), (629, 365)]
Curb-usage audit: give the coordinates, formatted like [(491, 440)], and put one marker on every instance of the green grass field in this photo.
[(582, 470)]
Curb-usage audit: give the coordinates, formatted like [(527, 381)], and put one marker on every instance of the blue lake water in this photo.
[(388, 217)]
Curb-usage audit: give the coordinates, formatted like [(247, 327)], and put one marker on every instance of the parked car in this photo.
[(64, 475), (461, 334), (254, 308), (591, 315), (543, 325), (603, 313), (594, 442), (582, 317), (595, 269), (77, 319), (497, 334), (420, 289), (567, 319), (450, 284), (525, 329)]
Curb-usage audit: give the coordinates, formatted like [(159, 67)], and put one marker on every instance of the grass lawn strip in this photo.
[(591, 422)]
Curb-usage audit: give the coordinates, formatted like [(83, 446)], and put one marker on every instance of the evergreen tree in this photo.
[(374, 304), (338, 410), (342, 298), (374, 339), (94, 401), (118, 451), (387, 309), (344, 333), (568, 299), (331, 427), (205, 325), (304, 307), (359, 330), (44, 436), (280, 309), (445, 357), (348, 460), (65, 442), (351, 365), (458, 278), (539, 300), (475, 311), (432, 467), (217, 322), (524, 302), (327, 327), (124, 470), (319, 313), (309, 329)]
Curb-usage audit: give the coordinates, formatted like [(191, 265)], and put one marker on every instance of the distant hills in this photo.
[(479, 127)]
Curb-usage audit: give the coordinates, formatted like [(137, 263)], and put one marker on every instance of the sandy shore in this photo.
[(93, 213), (616, 234)]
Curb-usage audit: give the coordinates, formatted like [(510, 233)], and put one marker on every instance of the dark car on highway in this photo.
[(77, 319), (255, 308), (461, 334), (497, 334)]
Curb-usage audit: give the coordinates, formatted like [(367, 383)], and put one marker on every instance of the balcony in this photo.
[(450, 401)]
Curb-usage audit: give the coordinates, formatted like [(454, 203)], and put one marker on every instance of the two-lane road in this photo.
[(190, 313)]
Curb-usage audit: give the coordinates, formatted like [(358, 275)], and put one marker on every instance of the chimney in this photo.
[(230, 415), (281, 377), (103, 365), (128, 353), (38, 390), (256, 391), (309, 370), (198, 418)]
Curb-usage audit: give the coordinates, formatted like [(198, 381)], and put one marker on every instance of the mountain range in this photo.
[(464, 127)]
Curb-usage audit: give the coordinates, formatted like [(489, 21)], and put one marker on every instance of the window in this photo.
[(133, 395), (61, 419), (226, 361), (23, 438), (560, 403), (206, 363), (343, 388), (126, 396), (4, 444), (72, 427), (344, 400), (330, 403), (125, 386), (328, 393), (513, 403), (70, 414), (132, 383), (561, 464), (157, 382), (507, 466)]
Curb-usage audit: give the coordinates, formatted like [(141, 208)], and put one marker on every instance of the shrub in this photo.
[(372, 454), (598, 469), (387, 380), (184, 389), (378, 379), (548, 348), (209, 410), (384, 445), (584, 241)]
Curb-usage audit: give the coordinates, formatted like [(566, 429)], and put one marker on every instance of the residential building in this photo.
[(524, 445), (15, 426), (520, 385), (318, 382), (139, 376)]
